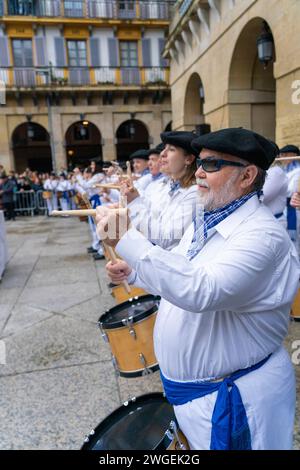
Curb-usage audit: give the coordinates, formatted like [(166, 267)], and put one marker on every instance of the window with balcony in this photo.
[(129, 62), (24, 73), (77, 60), (126, 9), (74, 9), (129, 53), (21, 7), (77, 55), (22, 52)]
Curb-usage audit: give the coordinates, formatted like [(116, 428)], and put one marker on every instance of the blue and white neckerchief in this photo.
[(209, 220), (146, 171), (174, 185), (291, 166), (157, 177)]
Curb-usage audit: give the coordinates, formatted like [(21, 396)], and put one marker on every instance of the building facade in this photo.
[(82, 80), (217, 77)]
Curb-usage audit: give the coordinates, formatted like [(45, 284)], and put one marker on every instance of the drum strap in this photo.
[(230, 429)]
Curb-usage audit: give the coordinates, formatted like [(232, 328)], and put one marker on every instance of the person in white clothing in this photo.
[(155, 170), (292, 170), (275, 192), (63, 189), (87, 182), (140, 160), (165, 220), (51, 184), (226, 290)]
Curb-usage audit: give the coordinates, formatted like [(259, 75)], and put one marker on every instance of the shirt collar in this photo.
[(146, 171), (228, 225)]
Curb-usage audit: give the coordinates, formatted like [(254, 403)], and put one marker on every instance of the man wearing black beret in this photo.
[(226, 290), (140, 160), (292, 169)]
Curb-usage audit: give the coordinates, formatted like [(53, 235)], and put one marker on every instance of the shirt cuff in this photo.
[(132, 277), (132, 246)]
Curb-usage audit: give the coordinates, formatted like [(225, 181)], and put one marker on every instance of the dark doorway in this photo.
[(31, 148), (83, 144), (132, 135)]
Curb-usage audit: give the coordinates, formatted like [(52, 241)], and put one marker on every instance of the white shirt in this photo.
[(87, 185), (153, 187), (50, 185), (165, 223), (142, 183), (63, 185), (227, 308), (294, 181), (275, 190)]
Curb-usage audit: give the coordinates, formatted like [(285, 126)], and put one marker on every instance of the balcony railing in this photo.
[(57, 77), (109, 9)]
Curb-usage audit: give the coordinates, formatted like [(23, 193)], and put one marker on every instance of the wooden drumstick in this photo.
[(79, 212), (110, 250), (282, 159), (75, 213), (106, 186)]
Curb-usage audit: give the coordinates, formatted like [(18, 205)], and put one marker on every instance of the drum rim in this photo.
[(122, 326), (94, 435), (139, 372), (128, 303)]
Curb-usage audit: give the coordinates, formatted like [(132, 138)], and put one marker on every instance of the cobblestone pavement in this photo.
[(58, 382)]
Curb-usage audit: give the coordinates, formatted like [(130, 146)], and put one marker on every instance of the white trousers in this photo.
[(269, 397), (51, 204), (65, 205)]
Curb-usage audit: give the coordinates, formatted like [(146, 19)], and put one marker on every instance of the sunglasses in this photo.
[(212, 164)]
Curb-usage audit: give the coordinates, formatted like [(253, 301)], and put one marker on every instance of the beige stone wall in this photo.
[(106, 118), (230, 98)]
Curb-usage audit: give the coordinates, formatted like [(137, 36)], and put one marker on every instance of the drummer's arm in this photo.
[(226, 282)]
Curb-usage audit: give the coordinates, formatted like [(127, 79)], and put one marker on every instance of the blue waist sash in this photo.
[(291, 220), (230, 428), (66, 195), (95, 201), (278, 215)]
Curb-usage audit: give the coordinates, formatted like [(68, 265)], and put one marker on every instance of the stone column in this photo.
[(58, 138), (109, 136), (6, 157)]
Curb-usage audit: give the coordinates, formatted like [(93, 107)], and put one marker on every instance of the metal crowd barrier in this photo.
[(40, 202), (30, 203)]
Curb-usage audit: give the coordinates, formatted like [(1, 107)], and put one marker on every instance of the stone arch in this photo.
[(131, 135), (194, 103), (251, 87), (83, 144), (31, 147)]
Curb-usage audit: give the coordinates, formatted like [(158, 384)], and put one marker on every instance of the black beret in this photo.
[(158, 149), (239, 142), (182, 139), (290, 149), (142, 153)]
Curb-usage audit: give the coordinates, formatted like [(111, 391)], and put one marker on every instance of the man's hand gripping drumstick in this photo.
[(111, 226)]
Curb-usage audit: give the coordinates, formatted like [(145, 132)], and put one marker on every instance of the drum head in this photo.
[(139, 308), (140, 425)]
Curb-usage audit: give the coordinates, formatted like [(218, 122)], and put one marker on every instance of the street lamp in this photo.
[(30, 132), (265, 45), (30, 129)]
